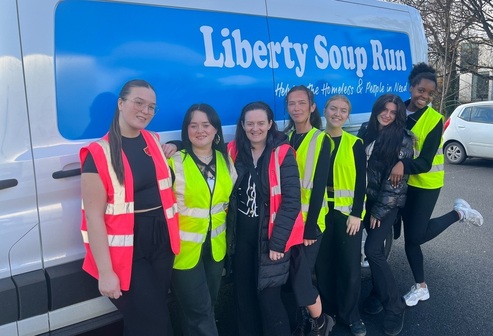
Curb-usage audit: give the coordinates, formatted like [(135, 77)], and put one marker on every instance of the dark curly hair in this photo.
[(422, 71)]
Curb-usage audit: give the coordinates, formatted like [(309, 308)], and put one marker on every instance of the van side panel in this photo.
[(227, 63), (20, 248)]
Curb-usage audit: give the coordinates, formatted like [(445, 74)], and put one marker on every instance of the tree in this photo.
[(447, 25)]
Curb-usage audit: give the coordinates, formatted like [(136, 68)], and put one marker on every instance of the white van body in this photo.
[(62, 64)]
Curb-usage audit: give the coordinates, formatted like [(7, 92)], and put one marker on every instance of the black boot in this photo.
[(322, 325), (302, 325)]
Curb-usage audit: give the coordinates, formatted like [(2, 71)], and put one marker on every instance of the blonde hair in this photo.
[(338, 97)]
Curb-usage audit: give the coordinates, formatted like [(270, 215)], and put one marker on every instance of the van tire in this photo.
[(454, 153)]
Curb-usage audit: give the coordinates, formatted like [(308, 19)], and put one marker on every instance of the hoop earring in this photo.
[(217, 138)]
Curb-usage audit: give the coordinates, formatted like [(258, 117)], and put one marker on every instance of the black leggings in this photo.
[(419, 228)]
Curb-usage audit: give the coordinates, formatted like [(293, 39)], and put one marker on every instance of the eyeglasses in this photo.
[(141, 106)]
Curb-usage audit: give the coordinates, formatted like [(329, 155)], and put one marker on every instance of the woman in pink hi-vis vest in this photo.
[(129, 220)]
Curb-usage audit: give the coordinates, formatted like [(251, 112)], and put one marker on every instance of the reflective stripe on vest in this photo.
[(275, 162), (274, 173), (119, 206), (118, 217), (435, 167), (165, 186), (200, 210), (113, 240), (307, 156), (434, 178), (345, 175)]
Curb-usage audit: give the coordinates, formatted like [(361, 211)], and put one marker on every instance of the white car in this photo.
[(469, 132)]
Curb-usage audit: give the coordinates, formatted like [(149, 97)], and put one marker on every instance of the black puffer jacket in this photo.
[(379, 189), (270, 273)]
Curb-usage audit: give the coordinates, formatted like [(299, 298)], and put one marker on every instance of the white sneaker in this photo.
[(470, 216), (459, 202), (416, 294)]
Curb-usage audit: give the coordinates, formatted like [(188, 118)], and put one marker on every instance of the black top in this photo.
[(423, 162), (360, 162), (146, 192)]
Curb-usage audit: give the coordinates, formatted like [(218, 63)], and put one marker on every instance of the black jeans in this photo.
[(144, 307), (196, 290), (384, 287), (258, 313), (419, 228)]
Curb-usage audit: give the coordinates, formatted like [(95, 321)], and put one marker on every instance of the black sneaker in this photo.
[(372, 305), (303, 326), (358, 328), (322, 326), (393, 323)]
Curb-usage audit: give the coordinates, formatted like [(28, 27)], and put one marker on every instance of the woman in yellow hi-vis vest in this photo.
[(313, 157), (426, 179), (129, 219), (204, 179), (338, 266)]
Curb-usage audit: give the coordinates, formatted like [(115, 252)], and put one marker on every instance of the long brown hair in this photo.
[(115, 134), (315, 119)]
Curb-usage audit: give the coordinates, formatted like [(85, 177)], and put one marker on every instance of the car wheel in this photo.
[(454, 153)]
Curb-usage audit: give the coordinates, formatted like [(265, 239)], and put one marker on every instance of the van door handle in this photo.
[(66, 173), (8, 183)]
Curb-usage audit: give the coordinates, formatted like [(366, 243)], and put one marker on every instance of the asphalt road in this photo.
[(458, 268)]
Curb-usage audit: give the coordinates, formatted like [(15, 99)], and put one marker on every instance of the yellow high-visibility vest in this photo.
[(434, 178), (345, 175), (201, 210), (307, 156)]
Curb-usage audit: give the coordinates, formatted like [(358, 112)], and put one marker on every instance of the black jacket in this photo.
[(379, 189), (270, 273)]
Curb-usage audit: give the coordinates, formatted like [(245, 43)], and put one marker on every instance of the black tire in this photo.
[(454, 153)]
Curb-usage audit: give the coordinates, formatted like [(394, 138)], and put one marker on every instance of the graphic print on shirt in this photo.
[(249, 208)]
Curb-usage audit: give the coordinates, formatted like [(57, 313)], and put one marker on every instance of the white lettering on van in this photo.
[(347, 56), (239, 52), (210, 61), (387, 59)]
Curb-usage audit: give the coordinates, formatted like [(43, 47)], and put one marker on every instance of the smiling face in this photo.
[(299, 107), (387, 116), (200, 131), (256, 126), (336, 113), (421, 94), (135, 111)]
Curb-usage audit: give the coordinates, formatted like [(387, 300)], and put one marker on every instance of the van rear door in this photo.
[(23, 294)]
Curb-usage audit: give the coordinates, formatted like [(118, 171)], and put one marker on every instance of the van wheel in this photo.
[(454, 153)]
